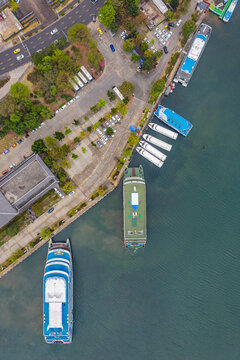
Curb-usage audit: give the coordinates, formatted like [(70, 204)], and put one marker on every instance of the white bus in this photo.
[(86, 73), (74, 85), (117, 92), (78, 81), (82, 77)]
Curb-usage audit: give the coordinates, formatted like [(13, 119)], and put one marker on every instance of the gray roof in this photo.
[(24, 185)]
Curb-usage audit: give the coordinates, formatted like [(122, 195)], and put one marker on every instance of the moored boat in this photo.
[(153, 150), (134, 208), (58, 293), (230, 11)]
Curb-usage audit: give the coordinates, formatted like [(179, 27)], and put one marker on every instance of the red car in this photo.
[(5, 171)]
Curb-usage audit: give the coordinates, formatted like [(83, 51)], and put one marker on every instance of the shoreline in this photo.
[(114, 185)]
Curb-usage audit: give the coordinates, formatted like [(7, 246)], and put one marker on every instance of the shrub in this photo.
[(67, 131), (74, 156), (76, 139), (84, 150)]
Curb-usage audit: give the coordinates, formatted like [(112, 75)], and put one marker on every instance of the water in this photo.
[(179, 299)]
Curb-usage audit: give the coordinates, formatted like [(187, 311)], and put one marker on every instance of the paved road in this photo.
[(80, 14)]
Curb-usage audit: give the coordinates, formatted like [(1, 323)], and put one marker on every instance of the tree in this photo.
[(96, 125), (133, 139), (68, 187), (111, 95), (127, 152), (128, 45), (32, 120), (59, 135), (16, 117), (114, 27), (139, 38), (170, 15), (109, 131), (101, 103), (14, 5), (144, 46), (45, 233), (76, 139), (132, 7), (38, 146), (12, 229), (8, 106), (46, 112), (121, 108), (127, 88), (74, 156), (148, 53), (19, 91), (174, 3), (188, 28), (158, 54), (53, 90), (83, 134), (94, 57), (135, 57), (106, 14), (84, 150), (158, 86), (79, 33), (148, 64)]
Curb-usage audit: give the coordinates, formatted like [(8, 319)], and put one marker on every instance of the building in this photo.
[(24, 185), (161, 6)]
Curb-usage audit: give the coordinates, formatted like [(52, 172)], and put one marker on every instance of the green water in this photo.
[(179, 299)]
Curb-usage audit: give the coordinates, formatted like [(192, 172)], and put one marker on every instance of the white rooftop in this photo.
[(196, 49), (55, 290), (134, 198), (161, 6)]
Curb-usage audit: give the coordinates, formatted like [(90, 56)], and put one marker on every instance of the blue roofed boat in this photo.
[(58, 293), (230, 11), (173, 120)]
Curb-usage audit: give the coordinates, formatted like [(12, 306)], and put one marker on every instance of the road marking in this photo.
[(98, 8), (73, 21), (42, 42), (69, 17), (84, 20), (47, 33), (34, 46), (77, 11), (62, 22), (65, 27), (39, 38), (84, 6), (80, 16), (3, 68), (31, 42), (7, 54), (87, 10)]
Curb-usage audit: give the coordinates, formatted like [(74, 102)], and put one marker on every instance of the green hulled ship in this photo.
[(134, 207)]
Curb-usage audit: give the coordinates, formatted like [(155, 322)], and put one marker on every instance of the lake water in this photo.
[(179, 298)]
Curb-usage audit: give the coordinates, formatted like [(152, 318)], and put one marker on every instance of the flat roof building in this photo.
[(24, 185)]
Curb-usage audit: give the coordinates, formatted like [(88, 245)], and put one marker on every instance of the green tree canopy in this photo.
[(133, 139), (59, 135), (14, 5), (148, 64), (144, 46), (106, 14), (128, 45), (127, 88), (174, 3), (188, 28), (68, 187), (38, 146), (94, 57), (135, 57), (45, 233), (79, 33), (19, 90), (132, 7), (101, 103), (109, 131)]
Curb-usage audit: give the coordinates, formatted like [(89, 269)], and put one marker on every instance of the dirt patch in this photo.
[(10, 25), (7, 141)]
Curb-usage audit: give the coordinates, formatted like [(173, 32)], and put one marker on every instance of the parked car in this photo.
[(107, 123), (94, 18), (99, 144), (165, 50), (5, 152), (71, 193), (103, 141), (54, 31), (50, 210), (179, 22), (99, 131), (100, 31), (17, 51), (111, 122), (118, 118), (114, 119), (93, 1), (12, 166), (20, 141), (103, 127), (112, 47), (4, 171), (162, 42), (20, 57), (171, 24), (13, 146)]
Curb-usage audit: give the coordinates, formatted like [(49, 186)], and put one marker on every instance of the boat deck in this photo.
[(134, 215)]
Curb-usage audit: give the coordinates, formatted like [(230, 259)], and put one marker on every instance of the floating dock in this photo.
[(190, 61), (173, 120), (163, 131), (152, 150), (134, 208), (157, 142), (153, 159)]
